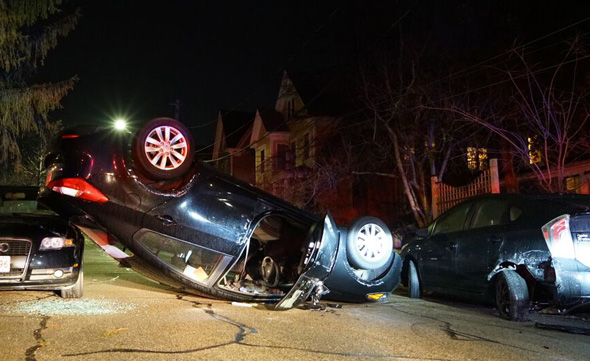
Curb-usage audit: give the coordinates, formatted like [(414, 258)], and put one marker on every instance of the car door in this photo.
[(476, 252), (212, 214), (319, 266), (437, 251)]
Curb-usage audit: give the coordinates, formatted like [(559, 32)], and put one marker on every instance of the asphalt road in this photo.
[(124, 316)]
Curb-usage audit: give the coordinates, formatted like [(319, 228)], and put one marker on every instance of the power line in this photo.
[(330, 17), (276, 75), (476, 67), (507, 52)]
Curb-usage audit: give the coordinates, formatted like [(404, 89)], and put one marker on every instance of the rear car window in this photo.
[(490, 212)]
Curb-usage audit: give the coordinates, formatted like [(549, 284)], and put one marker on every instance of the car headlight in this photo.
[(54, 243)]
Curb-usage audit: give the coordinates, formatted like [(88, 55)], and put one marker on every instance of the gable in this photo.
[(258, 130), (232, 127), (327, 93)]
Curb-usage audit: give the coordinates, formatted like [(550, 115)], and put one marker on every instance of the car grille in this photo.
[(18, 249)]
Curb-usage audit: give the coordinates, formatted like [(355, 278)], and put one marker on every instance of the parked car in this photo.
[(146, 202), (511, 250), (38, 249)]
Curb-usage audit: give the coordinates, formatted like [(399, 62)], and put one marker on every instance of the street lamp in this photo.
[(120, 124)]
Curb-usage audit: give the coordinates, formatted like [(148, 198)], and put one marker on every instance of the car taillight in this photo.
[(69, 136), (559, 238), (79, 188)]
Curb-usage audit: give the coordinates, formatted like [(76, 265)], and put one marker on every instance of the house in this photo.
[(270, 137), (231, 148), (294, 153)]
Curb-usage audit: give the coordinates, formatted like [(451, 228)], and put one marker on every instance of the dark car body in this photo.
[(204, 231), (541, 240), (38, 249)]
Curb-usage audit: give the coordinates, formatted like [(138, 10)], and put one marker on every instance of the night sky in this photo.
[(135, 57)]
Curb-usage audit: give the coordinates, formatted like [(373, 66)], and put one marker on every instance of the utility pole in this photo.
[(176, 104)]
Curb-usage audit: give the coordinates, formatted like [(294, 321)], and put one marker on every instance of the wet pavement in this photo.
[(124, 316)]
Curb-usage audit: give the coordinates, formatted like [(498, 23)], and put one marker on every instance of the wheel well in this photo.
[(522, 271), (404, 272), (166, 187)]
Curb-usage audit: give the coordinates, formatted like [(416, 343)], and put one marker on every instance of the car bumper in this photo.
[(43, 279), (345, 284), (572, 280)]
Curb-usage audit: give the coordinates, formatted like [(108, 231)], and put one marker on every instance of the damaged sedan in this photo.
[(519, 252), (149, 204), (38, 249)]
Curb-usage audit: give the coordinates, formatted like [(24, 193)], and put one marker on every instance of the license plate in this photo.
[(4, 264)]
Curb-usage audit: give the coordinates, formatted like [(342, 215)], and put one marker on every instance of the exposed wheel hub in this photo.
[(166, 147), (370, 240)]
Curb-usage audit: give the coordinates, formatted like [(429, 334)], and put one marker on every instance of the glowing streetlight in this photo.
[(120, 124)]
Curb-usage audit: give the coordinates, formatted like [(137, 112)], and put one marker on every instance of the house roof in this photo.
[(326, 93), (273, 121), (235, 125)]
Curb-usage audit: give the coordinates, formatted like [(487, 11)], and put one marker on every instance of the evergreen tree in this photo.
[(28, 30)]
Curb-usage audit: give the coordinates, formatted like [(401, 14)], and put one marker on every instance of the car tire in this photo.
[(369, 244), (414, 290), (77, 290), (163, 149), (511, 296)]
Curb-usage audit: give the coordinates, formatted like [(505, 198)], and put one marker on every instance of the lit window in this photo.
[(533, 150), (477, 158), (408, 151), (572, 184), (482, 156), (431, 146)]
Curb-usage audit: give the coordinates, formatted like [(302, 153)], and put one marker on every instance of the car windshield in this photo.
[(21, 202)]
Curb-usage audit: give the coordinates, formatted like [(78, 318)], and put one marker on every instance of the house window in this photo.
[(292, 156), (572, 184), (477, 158), (290, 108), (533, 150), (281, 157), (408, 152), (429, 144), (306, 147), (262, 161), (226, 166)]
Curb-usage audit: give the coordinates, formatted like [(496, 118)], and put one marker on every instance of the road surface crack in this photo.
[(31, 352), (239, 339)]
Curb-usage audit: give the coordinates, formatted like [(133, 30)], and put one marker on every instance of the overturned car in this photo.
[(150, 205)]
